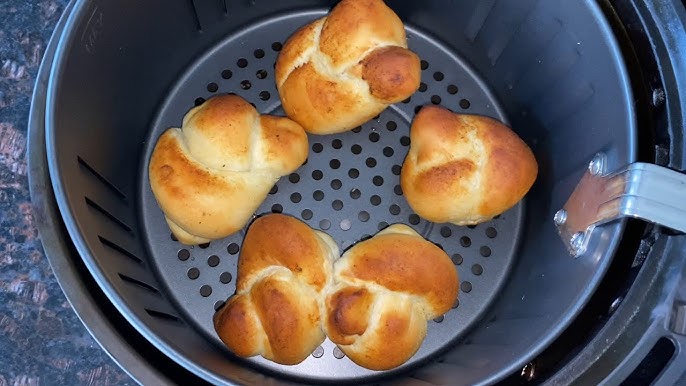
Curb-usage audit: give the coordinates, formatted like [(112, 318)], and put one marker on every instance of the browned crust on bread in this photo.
[(340, 71), (195, 197), (283, 267), (321, 105), (207, 177), (296, 247), (464, 169), (348, 310), (407, 264), (400, 333), (238, 328), (290, 319), (388, 287), (350, 24), (392, 73)]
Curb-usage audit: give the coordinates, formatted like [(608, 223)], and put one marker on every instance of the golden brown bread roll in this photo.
[(342, 70), (211, 175), (464, 169), (283, 269), (386, 289)]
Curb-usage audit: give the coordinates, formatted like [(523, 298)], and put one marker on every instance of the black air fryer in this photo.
[(583, 282)]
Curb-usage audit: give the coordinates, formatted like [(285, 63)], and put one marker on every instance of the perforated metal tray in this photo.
[(348, 187)]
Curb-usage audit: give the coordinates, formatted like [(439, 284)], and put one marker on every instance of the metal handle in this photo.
[(640, 190)]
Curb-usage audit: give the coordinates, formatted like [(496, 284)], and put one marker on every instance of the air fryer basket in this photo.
[(551, 69)]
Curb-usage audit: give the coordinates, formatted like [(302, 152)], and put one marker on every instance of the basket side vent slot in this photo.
[(105, 181), (116, 247), (164, 316), (114, 219), (139, 283)]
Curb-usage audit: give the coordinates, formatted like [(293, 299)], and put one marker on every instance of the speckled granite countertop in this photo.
[(42, 342)]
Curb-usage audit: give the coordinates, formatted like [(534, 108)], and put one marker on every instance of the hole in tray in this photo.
[(265, 95), (198, 101), (374, 137), (193, 273), (242, 63), (388, 151), (465, 241), (353, 173), (357, 129), (370, 162), (356, 149), (375, 200), (294, 178), (183, 254), (337, 144), (405, 140), (382, 225), (377, 180), (345, 224), (477, 269), (446, 231), (306, 214), (296, 197), (172, 237), (277, 208), (452, 89), (324, 224), (363, 216), (491, 232), (213, 261), (212, 87), (274, 189), (424, 64), (414, 219), (355, 194), (435, 99), (225, 277), (466, 287), (317, 147), (219, 304), (337, 205), (317, 174), (335, 164), (233, 248), (336, 184), (396, 170), (276, 46), (394, 209), (318, 195), (245, 85), (398, 190), (457, 259), (204, 245), (485, 251), (227, 74), (438, 76), (439, 319), (205, 291), (259, 53), (407, 100), (261, 74), (417, 109), (464, 103), (391, 125), (423, 87)]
